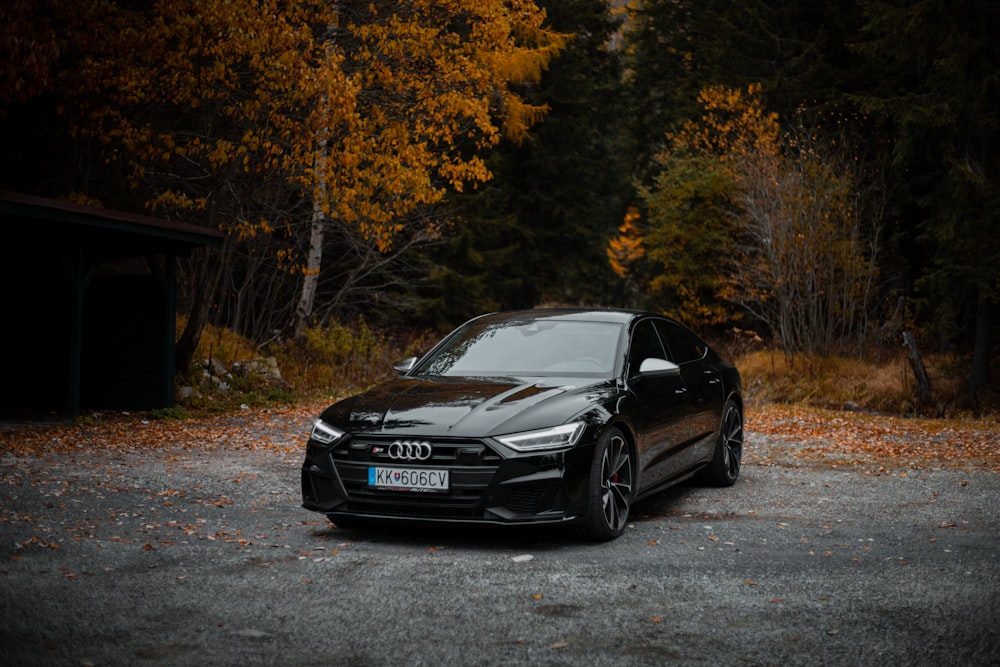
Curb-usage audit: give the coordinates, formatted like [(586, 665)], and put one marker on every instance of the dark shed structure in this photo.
[(89, 307)]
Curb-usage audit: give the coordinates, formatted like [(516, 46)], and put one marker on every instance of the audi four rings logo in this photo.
[(407, 450)]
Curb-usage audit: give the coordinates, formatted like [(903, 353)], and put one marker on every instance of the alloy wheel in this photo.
[(732, 441), (616, 483)]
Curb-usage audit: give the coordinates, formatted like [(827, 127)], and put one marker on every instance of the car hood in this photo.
[(467, 407)]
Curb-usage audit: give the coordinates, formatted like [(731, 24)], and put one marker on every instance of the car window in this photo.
[(683, 345), (645, 345), (528, 347)]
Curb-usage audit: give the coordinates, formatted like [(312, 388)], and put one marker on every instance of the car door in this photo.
[(660, 404), (703, 387)]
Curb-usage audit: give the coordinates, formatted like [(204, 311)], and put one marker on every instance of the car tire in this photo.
[(725, 466), (611, 488)]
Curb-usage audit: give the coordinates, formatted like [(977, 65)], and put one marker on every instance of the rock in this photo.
[(215, 367), (264, 367)]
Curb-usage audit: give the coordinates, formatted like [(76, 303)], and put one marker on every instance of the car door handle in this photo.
[(681, 391)]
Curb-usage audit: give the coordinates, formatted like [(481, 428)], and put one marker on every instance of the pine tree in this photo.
[(536, 232), (935, 81)]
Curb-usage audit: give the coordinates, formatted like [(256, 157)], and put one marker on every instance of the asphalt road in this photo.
[(188, 556)]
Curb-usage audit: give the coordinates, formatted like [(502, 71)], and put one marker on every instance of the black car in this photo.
[(537, 416)]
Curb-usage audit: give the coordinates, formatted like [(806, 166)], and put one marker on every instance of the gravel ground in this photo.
[(199, 553)]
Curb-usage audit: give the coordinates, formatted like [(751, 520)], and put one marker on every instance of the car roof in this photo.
[(613, 315)]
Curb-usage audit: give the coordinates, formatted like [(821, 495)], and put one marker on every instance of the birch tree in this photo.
[(277, 121)]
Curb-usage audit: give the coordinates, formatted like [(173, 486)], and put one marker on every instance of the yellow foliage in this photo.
[(734, 124), (627, 247), (372, 109)]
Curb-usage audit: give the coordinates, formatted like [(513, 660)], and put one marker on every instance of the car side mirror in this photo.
[(405, 366), (658, 367)]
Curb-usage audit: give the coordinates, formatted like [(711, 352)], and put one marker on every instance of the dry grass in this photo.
[(884, 386), (327, 362), (340, 359)]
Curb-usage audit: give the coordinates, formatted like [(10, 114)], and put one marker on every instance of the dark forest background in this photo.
[(820, 172)]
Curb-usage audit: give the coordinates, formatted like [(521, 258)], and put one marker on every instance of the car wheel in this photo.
[(611, 488), (725, 465)]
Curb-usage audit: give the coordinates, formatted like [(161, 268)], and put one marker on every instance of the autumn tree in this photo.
[(300, 128), (433, 80), (746, 214), (536, 232)]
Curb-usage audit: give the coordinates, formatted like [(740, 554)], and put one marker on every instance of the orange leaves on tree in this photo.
[(781, 212), (627, 248)]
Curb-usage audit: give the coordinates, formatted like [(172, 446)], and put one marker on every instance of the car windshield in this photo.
[(527, 347)]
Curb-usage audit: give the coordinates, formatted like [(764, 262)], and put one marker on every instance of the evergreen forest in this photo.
[(820, 173)]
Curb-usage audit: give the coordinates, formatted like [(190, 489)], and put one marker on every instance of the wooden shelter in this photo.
[(89, 308)]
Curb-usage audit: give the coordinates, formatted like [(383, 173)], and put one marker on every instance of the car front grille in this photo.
[(468, 453), (471, 466)]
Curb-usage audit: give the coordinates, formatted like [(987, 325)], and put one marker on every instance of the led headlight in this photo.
[(556, 437), (324, 433)]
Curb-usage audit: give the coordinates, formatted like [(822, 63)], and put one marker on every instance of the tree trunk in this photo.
[(206, 284), (310, 277), (191, 335), (924, 393), (314, 259)]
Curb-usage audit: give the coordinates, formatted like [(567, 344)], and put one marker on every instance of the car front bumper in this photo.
[(488, 483)]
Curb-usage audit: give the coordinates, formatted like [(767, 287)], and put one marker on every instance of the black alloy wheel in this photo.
[(725, 466), (611, 488)]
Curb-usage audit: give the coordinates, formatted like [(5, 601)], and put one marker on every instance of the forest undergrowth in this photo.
[(799, 411), (336, 361)]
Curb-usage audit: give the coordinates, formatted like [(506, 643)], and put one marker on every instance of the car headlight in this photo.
[(556, 437), (324, 433)]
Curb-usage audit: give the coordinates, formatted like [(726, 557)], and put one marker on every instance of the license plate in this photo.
[(408, 479)]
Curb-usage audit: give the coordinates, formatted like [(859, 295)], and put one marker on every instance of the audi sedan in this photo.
[(532, 417)]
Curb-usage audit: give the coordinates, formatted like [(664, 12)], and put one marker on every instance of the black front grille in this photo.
[(471, 466), (467, 453)]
